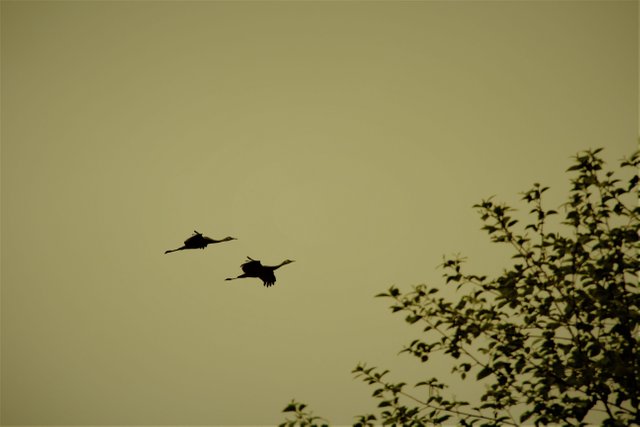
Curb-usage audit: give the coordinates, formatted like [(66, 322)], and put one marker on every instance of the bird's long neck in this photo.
[(210, 240), (275, 267)]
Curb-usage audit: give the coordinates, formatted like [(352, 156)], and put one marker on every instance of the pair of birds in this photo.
[(251, 268)]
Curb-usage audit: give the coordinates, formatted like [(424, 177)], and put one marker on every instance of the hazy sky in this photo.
[(352, 137)]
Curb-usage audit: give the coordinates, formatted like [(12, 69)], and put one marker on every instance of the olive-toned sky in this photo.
[(353, 137)]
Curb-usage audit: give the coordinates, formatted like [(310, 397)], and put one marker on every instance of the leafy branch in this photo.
[(555, 336), (301, 417)]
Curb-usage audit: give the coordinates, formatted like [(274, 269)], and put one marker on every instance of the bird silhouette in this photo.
[(253, 268), (198, 241)]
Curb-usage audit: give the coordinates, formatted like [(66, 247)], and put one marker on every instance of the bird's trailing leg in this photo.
[(174, 250), (242, 276)]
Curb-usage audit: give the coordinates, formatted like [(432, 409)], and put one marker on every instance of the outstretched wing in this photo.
[(194, 241), (252, 268), (267, 277)]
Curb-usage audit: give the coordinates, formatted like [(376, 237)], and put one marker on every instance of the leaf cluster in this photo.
[(555, 337), (301, 417)]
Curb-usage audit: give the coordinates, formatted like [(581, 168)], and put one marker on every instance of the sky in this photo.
[(352, 137)]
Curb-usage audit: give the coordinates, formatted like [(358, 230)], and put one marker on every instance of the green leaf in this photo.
[(291, 407), (412, 318), (485, 372)]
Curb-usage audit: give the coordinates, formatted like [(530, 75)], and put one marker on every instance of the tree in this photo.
[(556, 337)]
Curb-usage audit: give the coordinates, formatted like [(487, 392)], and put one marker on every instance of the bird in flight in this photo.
[(253, 268), (198, 241)]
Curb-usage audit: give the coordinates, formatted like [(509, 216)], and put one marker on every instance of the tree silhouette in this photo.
[(555, 338)]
